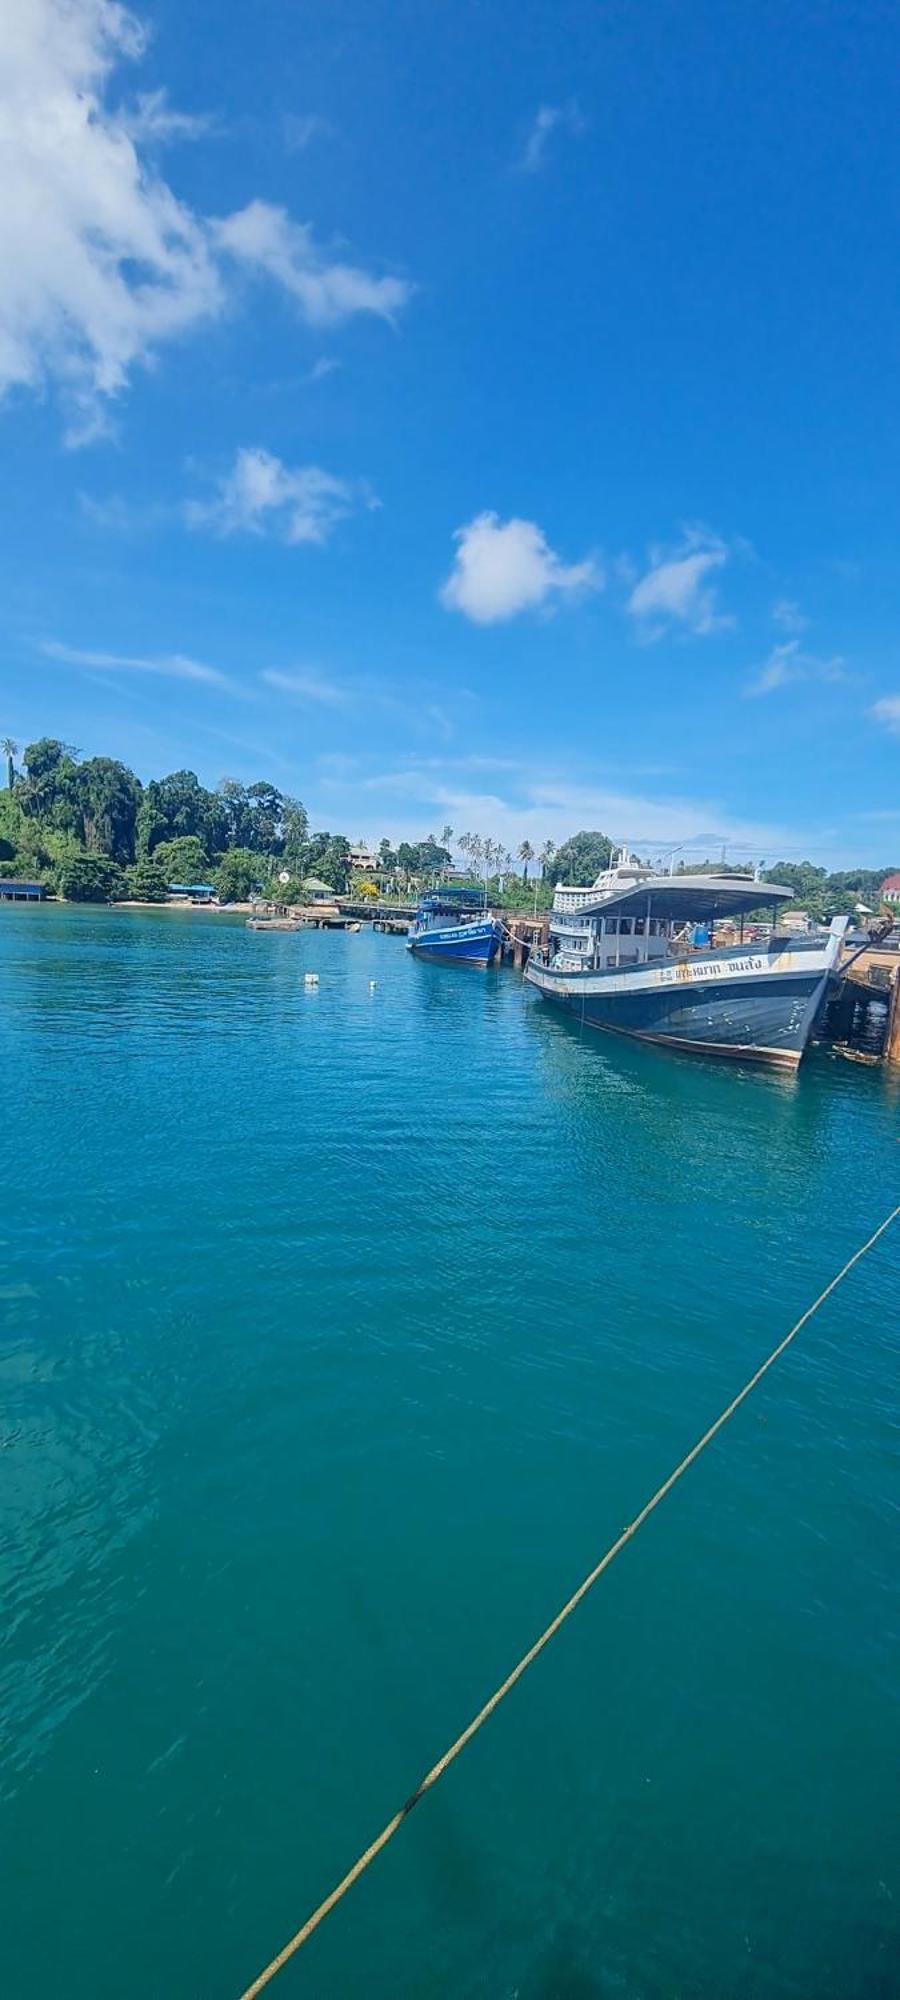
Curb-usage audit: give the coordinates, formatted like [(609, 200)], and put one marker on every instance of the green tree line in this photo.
[(89, 830), (92, 832)]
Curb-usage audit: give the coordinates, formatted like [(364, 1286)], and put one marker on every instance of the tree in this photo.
[(581, 859), (91, 878), (264, 829), (48, 790), (238, 874), (147, 881), (546, 856), (295, 830), (808, 882), (182, 860), (10, 751), (446, 835), (334, 864), (526, 854), (106, 796), (179, 805)]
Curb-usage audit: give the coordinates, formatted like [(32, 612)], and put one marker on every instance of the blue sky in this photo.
[(473, 413)]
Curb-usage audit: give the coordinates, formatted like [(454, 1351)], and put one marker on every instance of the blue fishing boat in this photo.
[(452, 925), (639, 954)]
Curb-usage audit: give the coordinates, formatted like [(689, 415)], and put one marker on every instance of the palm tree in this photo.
[(446, 835), (546, 855), (526, 854), (10, 751)]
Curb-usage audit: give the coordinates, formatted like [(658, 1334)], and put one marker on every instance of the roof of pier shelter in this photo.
[(694, 898)]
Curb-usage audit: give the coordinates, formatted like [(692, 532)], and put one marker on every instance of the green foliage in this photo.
[(12, 826), (46, 758), (91, 878), (47, 792), (183, 859), (239, 873), (295, 830), (824, 896), (178, 807), (147, 881), (423, 859), (581, 859), (328, 856), (106, 797)]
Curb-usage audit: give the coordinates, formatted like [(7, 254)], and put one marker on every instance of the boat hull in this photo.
[(750, 1006), (458, 944)]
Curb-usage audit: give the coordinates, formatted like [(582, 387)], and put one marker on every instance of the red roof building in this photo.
[(890, 890)]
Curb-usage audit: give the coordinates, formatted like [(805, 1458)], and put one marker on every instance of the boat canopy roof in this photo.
[(690, 897), (465, 896)]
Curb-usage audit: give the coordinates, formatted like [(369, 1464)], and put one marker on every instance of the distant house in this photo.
[(362, 860), (794, 920), (318, 892), (890, 892), (194, 892), (21, 892)]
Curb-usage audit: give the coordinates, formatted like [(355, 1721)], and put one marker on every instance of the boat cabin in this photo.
[(456, 904), (641, 922)]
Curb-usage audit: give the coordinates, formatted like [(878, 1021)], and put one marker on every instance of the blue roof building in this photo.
[(21, 892)]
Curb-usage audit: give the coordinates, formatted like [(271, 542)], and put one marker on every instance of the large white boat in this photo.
[(635, 955)]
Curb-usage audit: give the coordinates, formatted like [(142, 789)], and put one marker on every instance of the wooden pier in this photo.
[(522, 936), (862, 1021)]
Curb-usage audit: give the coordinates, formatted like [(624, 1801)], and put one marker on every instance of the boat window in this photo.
[(639, 926), (624, 926), (611, 926)]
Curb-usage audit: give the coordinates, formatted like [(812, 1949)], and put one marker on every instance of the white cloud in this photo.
[(265, 239), (504, 567), (153, 120), (887, 712), (788, 664), (552, 808), (174, 666), (261, 495), (675, 589), (549, 118), (306, 687), (102, 264), (788, 615), (300, 130), (100, 261), (326, 365)]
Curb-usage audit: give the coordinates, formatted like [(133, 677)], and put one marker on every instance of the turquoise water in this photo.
[(341, 1331)]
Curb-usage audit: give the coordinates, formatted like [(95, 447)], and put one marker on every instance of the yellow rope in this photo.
[(437, 1770)]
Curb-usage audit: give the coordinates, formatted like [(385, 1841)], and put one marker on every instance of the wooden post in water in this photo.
[(892, 1038)]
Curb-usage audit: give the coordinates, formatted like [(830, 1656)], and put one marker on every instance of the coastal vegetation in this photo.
[(91, 832)]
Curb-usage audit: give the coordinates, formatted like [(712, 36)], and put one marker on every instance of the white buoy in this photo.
[(371, 985), (310, 979)]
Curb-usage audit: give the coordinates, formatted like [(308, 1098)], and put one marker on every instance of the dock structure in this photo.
[(523, 935), (863, 1020)]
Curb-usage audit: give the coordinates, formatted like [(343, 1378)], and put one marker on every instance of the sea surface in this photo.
[(341, 1329)]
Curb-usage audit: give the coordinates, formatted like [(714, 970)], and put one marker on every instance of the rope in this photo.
[(437, 1770)]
